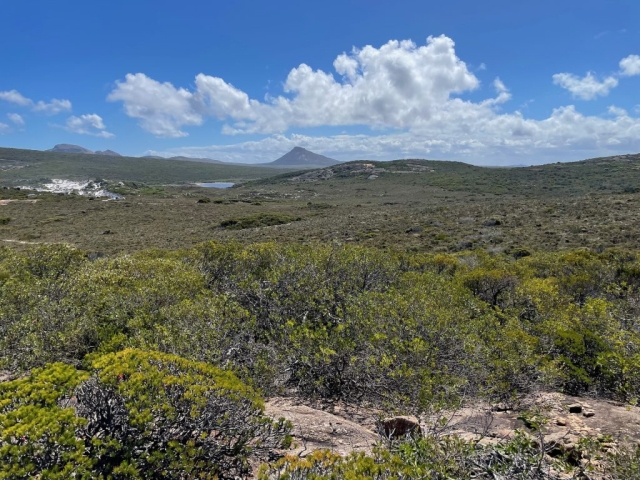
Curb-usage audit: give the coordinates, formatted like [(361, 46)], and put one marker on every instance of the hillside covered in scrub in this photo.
[(177, 331), (286, 328), (132, 356)]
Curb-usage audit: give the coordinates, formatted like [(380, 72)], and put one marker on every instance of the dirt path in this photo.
[(7, 202), (21, 242)]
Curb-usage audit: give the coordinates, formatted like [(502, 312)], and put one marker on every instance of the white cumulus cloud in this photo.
[(412, 97), (587, 87), (16, 119), (161, 108), (90, 124), (53, 107), (394, 86), (13, 96), (4, 128), (472, 134), (630, 66)]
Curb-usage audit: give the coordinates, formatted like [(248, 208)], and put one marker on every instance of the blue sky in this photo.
[(493, 82)]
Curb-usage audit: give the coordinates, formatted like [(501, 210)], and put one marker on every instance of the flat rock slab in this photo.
[(316, 429), (594, 417), (350, 428)]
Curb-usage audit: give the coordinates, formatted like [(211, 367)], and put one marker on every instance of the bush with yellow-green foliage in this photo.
[(133, 414), (38, 435), (349, 322)]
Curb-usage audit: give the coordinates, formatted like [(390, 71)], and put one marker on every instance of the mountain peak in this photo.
[(68, 148), (303, 158), (109, 153)]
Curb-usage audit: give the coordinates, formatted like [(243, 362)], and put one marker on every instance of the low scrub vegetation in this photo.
[(339, 322), (444, 458), (201, 331)]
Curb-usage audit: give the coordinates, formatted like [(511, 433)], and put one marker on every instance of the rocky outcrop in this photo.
[(399, 427), (344, 428), (316, 429), (348, 170)]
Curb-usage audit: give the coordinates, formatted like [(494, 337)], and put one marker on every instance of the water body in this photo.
[(216, 185)]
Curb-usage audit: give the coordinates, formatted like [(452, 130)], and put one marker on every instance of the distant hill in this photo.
[(302, 158), (109, 153), (618, 174), (68, 148), (29, 167), (187, 159), (195, 159)]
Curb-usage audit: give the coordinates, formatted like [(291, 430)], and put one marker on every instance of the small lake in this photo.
[(216, 185)]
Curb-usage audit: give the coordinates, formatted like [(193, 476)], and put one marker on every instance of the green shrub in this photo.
[(319, 206), (626, 463), (37, 432), (73, 306), (338, 321), (258, 220), (139, 415)]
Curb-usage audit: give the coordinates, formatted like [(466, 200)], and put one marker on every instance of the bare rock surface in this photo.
[(316, 429), (593, 418), (6, 376), (346, 428)]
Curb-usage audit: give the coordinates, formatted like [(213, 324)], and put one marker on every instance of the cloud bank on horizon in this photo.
[(413, 99)]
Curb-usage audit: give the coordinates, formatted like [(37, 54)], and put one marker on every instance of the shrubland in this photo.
[(414, 205), (157, 361), (338, 321)]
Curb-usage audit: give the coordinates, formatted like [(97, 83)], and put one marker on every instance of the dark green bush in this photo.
[(258, 220)]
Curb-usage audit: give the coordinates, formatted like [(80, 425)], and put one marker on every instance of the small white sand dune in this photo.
[(87, 188)]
